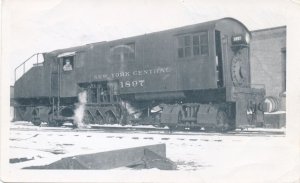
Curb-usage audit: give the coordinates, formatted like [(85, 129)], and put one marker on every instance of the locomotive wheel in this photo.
[(51, 122), (172, 128), (110, 118), (87, 118), (98, 118), (54, 123), (36, 122), (35, 118), (123, 120)]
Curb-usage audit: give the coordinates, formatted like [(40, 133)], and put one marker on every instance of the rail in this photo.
[(34, 63)]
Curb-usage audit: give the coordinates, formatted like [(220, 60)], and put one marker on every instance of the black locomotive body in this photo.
[(191, 77)]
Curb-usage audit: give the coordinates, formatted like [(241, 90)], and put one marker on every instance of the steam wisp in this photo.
[(79, 111)]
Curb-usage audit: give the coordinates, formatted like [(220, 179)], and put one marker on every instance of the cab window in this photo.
[(68, 63), (189, 45)]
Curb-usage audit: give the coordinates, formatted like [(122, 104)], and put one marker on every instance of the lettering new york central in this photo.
[(160, 70)]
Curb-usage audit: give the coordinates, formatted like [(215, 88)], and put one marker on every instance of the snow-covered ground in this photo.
[(212, 155)]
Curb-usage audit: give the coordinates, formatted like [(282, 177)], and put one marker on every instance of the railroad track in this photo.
[(186, 132), (153, 130)]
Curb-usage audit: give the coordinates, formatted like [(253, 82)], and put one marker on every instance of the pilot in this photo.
[(67, 66)]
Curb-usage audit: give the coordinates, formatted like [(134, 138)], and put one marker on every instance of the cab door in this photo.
[(226, 66), (219, 59), (67, 80)]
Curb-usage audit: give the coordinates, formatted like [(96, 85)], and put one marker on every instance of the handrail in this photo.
[(23, 64), (26, 60)]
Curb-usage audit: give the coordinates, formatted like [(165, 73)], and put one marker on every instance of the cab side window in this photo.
[(189, 45), (68, 63)]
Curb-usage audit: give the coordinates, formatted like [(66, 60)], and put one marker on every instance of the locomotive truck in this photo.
[(195, 76)]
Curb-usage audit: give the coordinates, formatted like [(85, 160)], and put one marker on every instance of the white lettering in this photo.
[(141, 82), (127, 84), (134, 84), (160, 70)]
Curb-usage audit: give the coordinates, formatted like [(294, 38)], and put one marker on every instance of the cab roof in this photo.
[(207, 24)]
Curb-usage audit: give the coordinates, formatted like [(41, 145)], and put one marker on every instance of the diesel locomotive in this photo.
[(193, 77)]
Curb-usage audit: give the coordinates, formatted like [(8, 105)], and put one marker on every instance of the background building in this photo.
[(11, 103), (268, 65)]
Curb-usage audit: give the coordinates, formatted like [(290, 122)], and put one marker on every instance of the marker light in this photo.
[(247, 38)]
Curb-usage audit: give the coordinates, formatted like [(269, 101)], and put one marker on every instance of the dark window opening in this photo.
[(114, 91), (103, 92), (68, 63), (219, 59), (92, 93)]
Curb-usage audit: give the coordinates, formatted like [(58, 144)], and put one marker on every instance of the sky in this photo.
[(36, 26)]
